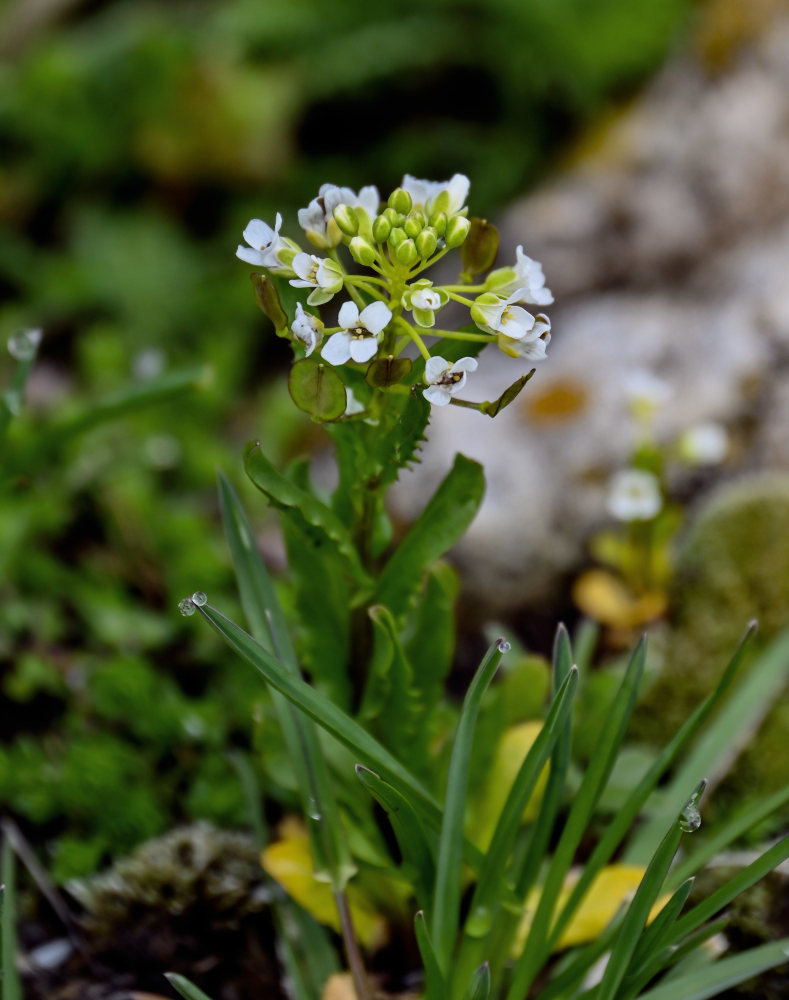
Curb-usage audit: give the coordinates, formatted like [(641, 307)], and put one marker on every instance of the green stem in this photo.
[(352, 948)]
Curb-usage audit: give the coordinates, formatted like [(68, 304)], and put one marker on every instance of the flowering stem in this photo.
[(352, 948), (459, 298), (481, 338), (416, 339)]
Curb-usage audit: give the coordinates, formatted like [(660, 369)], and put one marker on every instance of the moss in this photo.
[(732, 566)]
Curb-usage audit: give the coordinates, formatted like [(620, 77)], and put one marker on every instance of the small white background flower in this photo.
[(634, 495), (358, 338), (445, 379), (705, 444)]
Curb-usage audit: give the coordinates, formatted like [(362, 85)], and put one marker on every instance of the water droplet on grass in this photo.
[(24, 344), (504, 646), (479, 921), (689, 819), (186, 607), (199, 598)]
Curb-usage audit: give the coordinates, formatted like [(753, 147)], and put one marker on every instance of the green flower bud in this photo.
[(438, 220), (426, 243), (396, 237), (401, 201), (396, 218), (406, 253), (413, 227), (346, 219), (381, 229), (362, 250), (457, 230)]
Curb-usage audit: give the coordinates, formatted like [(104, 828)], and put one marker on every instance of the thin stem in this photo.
[(352, 948), (417, 340), (458, 298), (480, 338)]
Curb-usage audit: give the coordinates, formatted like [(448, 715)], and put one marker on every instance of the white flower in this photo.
[(438, 196), (317, 219), (358, 338), (265, 244), (445, 379), (423, 300), (307, 329), (531, 349), (645, 391), (323, 275), (634, 495), (705, 444), (531, 280), (497, 314)]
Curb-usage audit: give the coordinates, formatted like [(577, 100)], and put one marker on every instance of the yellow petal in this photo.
[(513, 746), (605, 598), (339, 986), (289, 862), (613, 887)]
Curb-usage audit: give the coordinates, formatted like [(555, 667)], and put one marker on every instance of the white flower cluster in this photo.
[(396, 242)]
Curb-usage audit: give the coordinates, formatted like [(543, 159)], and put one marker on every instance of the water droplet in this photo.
[(504, 646), (186, 607), (199, 598), (479, 921), (24, 344), (314, 811), (689, 819)]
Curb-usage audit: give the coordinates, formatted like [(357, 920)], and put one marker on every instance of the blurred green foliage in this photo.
[(137, 141)]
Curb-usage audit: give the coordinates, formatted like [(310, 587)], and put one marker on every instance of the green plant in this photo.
[(373, 624)]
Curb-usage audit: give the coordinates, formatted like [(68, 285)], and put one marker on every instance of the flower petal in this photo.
[(435, 368), (375, 317), (251, 256), (436, 395), (348, 315), (337, 349), (465, 365), (259, 234), (364, 349)]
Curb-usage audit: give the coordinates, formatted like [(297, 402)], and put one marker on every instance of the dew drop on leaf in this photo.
[(199, 598), (187, 607), (24, 344)]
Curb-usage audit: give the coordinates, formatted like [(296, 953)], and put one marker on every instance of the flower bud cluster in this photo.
[(393, 305)]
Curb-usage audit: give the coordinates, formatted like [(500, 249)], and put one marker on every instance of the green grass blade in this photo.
[(568, 978), (637, 914), (417, 850), (332, 719), (623, 821), (749, 816), (256, 588), (712, 980), (726, 893), (554, 791), (446, 904), (653, 936), (675, 958), (328, 840), (594, 780), (11, 984), (435, 984), (187, 990), (496, 857), (726, 735), (479, 987)]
